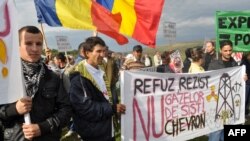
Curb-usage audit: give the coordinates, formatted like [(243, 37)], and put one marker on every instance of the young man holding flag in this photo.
[(47, 101)]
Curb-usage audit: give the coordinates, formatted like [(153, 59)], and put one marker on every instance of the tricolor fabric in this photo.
[(140, 18), (80, 14)]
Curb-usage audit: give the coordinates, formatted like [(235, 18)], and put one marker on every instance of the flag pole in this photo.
[(46, 44), (95, 33), (67, 58)]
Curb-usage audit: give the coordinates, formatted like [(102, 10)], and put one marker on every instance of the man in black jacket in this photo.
[(224, 61), (46, 101), (92, 101), (209, 55)]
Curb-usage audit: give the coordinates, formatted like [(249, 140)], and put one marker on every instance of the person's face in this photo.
[(106, 52), (164, 61), (226, 52), (48, 53), (209, 47), (57, 62), (137, 54), (30, 46), (96, 56), (248, 57)]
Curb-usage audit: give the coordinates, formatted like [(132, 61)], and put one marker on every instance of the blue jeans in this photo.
[(216, 136)]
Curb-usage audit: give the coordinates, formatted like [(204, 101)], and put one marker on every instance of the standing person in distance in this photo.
[(209, 54)]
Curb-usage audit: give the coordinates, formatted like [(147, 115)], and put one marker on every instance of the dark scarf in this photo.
[(33, 72)]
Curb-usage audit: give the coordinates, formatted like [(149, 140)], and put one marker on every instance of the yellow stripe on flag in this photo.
[(75, 13), (126, 8)]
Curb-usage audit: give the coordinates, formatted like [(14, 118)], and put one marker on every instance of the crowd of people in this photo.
[(83, 93)]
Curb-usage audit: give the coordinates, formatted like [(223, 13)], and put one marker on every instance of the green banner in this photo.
[(234, 26)]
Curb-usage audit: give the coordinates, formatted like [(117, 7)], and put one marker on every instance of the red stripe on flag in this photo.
[(107, 23), (148, 14)]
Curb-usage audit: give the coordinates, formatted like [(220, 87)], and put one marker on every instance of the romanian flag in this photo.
[(140, 18), (80, 14)]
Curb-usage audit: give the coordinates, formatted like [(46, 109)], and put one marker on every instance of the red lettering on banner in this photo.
[(150, 110), (153, 117), (136, 107), (6, 31), (172, 107)]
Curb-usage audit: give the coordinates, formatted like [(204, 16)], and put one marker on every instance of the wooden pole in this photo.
[(95, 33), (67, 58), (46, 44)]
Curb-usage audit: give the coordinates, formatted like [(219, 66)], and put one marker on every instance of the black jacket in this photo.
[(164, 69), (219, 64), (186, 65), (51, 110), (208, 58), (92, 112), (247, 64)]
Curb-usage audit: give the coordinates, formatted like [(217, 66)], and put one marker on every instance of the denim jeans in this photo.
[(216, 136)]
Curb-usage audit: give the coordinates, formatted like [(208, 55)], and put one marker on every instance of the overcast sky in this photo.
[(195, 20)]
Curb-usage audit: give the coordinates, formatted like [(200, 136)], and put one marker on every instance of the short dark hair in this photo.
[(166, 56), (29, 29), (188, 52), (61, 56), (225, 42), (137, 48), (91, 42), (197, 56), (81, 46)]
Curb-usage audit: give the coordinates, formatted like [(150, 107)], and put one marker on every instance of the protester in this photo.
[(60, 62), (112, 72), (71, 60), (134, 62), (164, 67), (79, 58), (224, 61), (90, 95), (188, 60), (147, 61), (209, 54), (246, 62), (157, 59), (46, 100), (80, 55), (48, 55), (197, 62)]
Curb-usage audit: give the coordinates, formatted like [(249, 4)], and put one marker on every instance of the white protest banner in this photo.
[(11, 87), (177, 107), (63, 44)]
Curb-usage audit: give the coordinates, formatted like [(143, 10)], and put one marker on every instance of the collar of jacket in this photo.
[(84, 72), (231, 60)]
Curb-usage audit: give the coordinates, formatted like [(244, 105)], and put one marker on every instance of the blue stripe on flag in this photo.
[(108, 4), (46, 12)]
